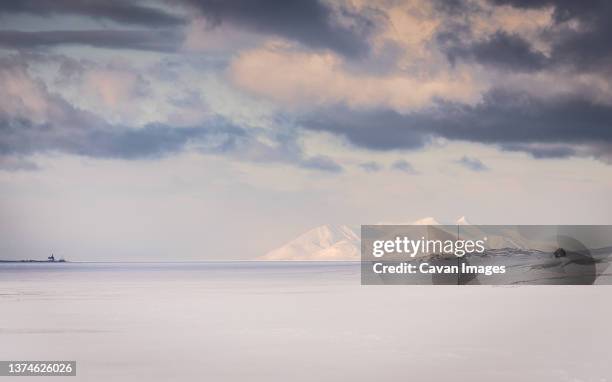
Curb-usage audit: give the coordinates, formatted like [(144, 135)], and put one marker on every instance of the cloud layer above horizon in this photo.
[(521, 76)]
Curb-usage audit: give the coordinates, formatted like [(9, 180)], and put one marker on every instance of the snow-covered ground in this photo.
[(270, 321)]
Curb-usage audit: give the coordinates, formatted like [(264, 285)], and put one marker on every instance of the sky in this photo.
[(218, 130)]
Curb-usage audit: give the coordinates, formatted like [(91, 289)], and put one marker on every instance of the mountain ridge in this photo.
[(330, 242)]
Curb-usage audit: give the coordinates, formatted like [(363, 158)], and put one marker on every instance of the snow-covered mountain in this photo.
[(463, 221), (341, 242), (327, 242), (426, 221)]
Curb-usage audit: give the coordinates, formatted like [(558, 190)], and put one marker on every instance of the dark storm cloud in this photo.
[(373, 129), (563, 9), (506, 117), (502, 50), (542, 152), (120, 11), (473, 164), (511, 120), (309, 22), (112, 39), (455, 7), (584, 48), (313, 23), (22, 137)]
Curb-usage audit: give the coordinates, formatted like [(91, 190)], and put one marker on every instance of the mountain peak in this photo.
[(463, 221), (326, 242), (331, 242), (426, 221)]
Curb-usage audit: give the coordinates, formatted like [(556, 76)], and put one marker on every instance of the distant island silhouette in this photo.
[(50, 259)]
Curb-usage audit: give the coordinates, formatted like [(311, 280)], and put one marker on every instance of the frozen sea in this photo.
[(256, 321)]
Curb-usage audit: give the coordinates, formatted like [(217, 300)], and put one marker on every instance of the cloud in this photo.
[(124, 12), (503, 50), (165, 41), (506, 119), (302, 79), (577, 38), (539, 151), (115, 86), (473, 164), (22, 96), (313, 23), (113, 89), (370, 166), (321, 162), (402, 95), (379, 129), (36, 121), (282, 145), (404, 166), (20, 137), (581, 34), (204, 35)]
